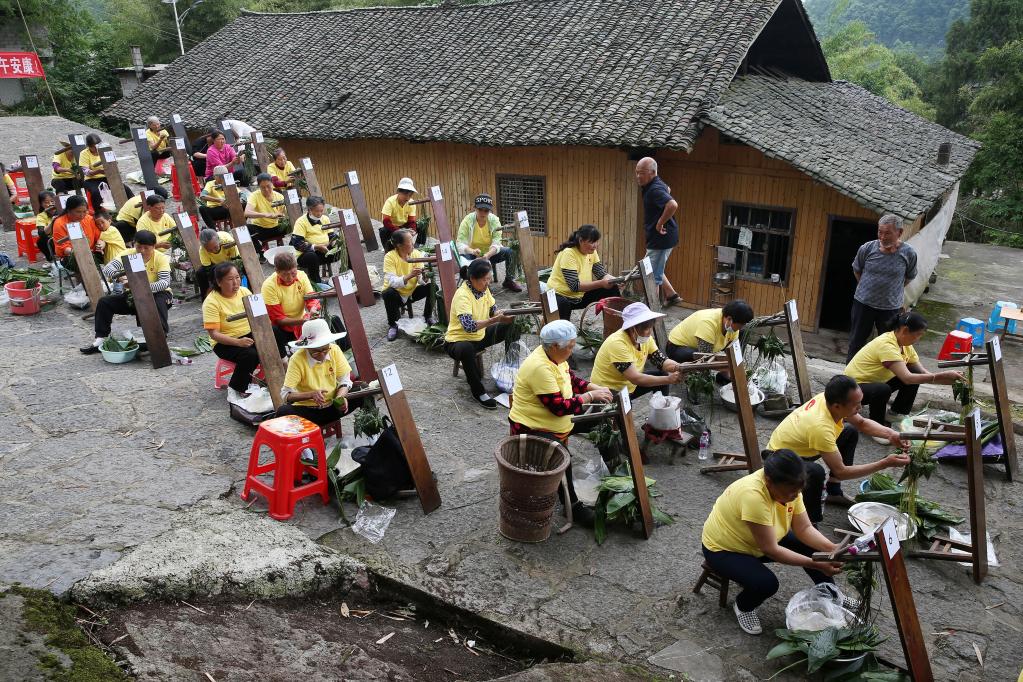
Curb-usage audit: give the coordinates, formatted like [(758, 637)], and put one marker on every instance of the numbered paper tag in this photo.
[(258, 137), (737, 348), (32, 161), (79, 140), (141, 133), (74, 231), (391, 380), (146, 193), (996, 349), (136, 263), (257, 305), (307, 164), (224, 125), (347, 281), (435, 190), (186, 220), (523, 218), (109, 157), (349, 216), (647, 266), (891, 537), (292, 196), (179, 143), (976, 422), (63, 200), (552, 300), (791, 307), (241, 235), (445, 251), (176, 118), (228, 180), (626, 401), (353, 178)]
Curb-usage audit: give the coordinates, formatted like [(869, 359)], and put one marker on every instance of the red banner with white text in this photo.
[(20, 65)]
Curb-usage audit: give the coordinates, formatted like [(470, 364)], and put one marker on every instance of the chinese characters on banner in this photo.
[(20, 65)]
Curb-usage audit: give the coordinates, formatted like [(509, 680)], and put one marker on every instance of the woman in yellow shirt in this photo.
[(889, 364), (156, 220), (758, 519), (213, 250), (708, 330), (63, 178), (623, 355), (398, 214), (91, 161), (232, 340), (402, 284), (264, 209), (156, 139), (311, 240), (211, 200), (12, 187), (48, 204), (474, 324), (281, 169), (110, 242), (578, 277), (547, 393)]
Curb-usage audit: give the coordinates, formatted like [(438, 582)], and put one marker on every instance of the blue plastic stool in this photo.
[(996, 321), (973, 327)]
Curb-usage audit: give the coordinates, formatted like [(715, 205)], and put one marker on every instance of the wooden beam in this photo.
[(178, 129), (305, 164), (145, 158), (408, 434), (266, 345), (527, 256), (183, 169), (232, 200), (77, 141), (145, 310), (344, 289), (798, 354), (750, 460), (229, 136), (446, 263), (293, 204), (33, 180), (186, 230), (975, 487), (628, 431), (87, 271), (1003, 408), (259, 149), (646, 271), (549, 302), (356, 258), (113, 173), (369, 233), (250, 259)]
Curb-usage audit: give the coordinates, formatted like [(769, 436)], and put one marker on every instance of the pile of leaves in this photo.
[(114, 345), (931, 518), (202, 344), (616, 501), (368, 420), (824, 646), (700, 387), (921, 465), (608, 441), (432, 336), (589, 339)]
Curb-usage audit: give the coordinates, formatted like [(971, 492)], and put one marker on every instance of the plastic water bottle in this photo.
[(861, 544), (704, 446)]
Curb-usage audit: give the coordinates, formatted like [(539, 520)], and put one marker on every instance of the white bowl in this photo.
[(727, 392), (270, 254), (866, 516)]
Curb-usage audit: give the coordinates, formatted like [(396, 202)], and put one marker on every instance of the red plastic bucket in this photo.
[(23, 301)]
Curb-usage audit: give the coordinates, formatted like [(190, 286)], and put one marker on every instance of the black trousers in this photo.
[(816, 476), (92, 187), (876, 395), (126, 229), (204, 278), (863, 318), (321, 416), (679, 353), (156, 156), (43, 244), (282, 337), (385, 238), (117, 304), (310, 261), (465, 352), (758, 582), (62, 186), (262, 235), (567, 305), (393, 303), (211, 214), (643, 390), (245, 362)]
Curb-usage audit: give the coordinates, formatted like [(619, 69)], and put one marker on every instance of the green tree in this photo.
[(854, 54)]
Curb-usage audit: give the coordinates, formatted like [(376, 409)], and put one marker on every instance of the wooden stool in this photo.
[(714, 580), (479, 364), (332, 429), (676, 439)]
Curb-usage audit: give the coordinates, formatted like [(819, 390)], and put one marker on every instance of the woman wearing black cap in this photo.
[(479, 236)]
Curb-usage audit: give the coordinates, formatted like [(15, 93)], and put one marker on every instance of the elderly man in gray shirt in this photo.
[(883, 268)]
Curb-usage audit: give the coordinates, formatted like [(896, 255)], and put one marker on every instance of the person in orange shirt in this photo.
[(76, 210)]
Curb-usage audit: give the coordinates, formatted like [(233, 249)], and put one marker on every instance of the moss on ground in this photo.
[(45, 614)]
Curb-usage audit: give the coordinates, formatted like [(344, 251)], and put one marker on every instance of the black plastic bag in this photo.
[(384, 466)]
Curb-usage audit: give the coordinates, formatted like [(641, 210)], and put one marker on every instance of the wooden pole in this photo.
[(408, 433), (232, 200), (798, 354), (178, 129), (145, 158), (113, 173), (293, 203), (259, 149), (306, 166), (446, 263), (356, 258), (77, 141), (250, 259), (344, 289), (750, 460), (145, 310), (975, 486), (549, 302), (183, 169), (528, 257), (87, 271), (369, 233), (628, 431), (652, 301), (33, 180), (186, 230), (1003, 408), (229, 136), (266, 345)]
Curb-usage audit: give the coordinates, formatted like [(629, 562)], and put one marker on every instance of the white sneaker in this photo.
[(749, 621), (234, 397)]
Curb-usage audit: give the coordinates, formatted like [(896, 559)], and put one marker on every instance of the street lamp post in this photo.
[(178, 20)]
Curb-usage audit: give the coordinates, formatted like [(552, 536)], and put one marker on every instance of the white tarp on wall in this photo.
[(927, 243)]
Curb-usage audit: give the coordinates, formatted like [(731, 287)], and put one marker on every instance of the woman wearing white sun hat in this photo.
[(624, 354)]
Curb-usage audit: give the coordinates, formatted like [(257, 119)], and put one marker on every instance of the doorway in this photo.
[(845, 237)]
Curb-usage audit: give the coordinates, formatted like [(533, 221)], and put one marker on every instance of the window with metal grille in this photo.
[(523, 193), (762, 237)]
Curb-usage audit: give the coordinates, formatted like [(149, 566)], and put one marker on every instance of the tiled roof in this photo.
[(630, 73), (838, 133)]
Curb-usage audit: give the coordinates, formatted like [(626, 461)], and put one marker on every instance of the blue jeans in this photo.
[(658, 259)]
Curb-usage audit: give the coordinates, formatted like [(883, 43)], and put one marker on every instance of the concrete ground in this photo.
[(126, 480)]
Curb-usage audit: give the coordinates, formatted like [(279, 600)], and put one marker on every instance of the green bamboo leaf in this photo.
[(785, 649), (619, 502), (822, 649)]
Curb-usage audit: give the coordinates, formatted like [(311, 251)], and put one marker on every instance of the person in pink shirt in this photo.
[(222, 154)]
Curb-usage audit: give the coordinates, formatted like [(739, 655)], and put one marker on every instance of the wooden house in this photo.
[(548, 104)]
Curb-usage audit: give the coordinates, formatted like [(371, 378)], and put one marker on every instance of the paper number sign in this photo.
[(996, 349), (626, 401), (32, 161), (307, 164), (228, 180), (63, 199), (349, 215), (136, 263), (74, 231), (791, 307), (179, 143), (257, 304), (391, 380), (241, 235), (109, 157), (141, 133), (80, 140), (292, 196), (436, 193), (347, 281), (552, 300), (258, 137), (737, 347), (176, 118), (523, 218), (353, 178), (891, 537), (647, 267), (976, 421), (186, 220), (445, 251)]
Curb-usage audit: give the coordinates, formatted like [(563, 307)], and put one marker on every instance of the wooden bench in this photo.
[(719, 583)]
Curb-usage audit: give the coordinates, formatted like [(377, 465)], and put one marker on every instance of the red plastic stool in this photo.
[(25, 234), (287, 437), (955, 342), (224, 370)]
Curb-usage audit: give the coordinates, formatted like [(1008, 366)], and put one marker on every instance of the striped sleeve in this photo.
[(571, 279), (599, 271)]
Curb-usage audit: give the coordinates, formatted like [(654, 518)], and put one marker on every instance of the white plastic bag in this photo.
[(771, 378), (664, 412), (107, 196), (372, 521), (817, 608), (587, 472), (504, 371), (411, 326), (258, 401), (77, 298)]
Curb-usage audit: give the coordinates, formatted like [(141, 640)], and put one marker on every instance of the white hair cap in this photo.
[(559, 331)]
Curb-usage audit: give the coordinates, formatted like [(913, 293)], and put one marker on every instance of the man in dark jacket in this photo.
[(659, 224)]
